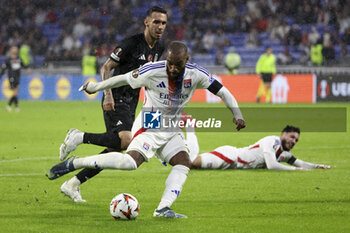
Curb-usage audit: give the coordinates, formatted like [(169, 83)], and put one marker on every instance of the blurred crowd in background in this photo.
[(66, 30)]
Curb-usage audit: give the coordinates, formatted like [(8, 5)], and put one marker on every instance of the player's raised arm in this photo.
[(115, 81), (132, 78)]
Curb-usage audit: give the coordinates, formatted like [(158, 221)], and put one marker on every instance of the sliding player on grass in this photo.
[(268, 152)]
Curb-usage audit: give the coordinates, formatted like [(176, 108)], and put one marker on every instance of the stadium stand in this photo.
[(55, 20)]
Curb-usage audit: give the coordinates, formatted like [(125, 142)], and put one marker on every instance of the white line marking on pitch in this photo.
[(21, 174), (27, 159)]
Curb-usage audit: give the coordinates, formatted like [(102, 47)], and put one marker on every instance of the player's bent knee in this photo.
[(137, 157)]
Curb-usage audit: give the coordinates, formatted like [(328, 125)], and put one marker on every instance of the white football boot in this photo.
[(69, 144), (71, 191)]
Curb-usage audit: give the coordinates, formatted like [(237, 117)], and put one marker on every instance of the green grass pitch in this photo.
[(215, 201)]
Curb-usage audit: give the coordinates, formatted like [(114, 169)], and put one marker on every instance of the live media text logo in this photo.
[(155, 120)]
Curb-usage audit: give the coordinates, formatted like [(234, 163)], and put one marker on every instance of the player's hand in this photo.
[(323, 166), (108, 102), (86, 87), (240, 123)]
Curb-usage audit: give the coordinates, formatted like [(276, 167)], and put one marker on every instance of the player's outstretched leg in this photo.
[(61, 169), (173, 186), (112, 160), (73, 138)]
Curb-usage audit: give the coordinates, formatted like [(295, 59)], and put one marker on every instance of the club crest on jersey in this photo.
[(150, 57), (152, 119), (156, 57), (187, 83), (135, 73), (146, 146)]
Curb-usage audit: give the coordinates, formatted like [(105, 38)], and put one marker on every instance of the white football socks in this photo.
[(74, 181), (111, 160), (173, 185)]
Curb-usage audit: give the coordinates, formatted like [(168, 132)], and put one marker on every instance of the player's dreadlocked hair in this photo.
[(290, 128), (155, 9)]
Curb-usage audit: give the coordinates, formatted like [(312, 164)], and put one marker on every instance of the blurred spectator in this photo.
[(198, 46), (294, 36), (87, 49), (280, 31), (97, 39), (54, 52), (220, 39), (337, 40), (231, 10), (316, 53), (304, 58), (285, 58), (25, 54), (344, 20), (51, 16), (265, 68), (346, 36), (67, 42), (179, 31), (305, 38), (40, 16), (220, 57), (344, 59), (314, 36), (89, 65), (328, 53), (41, 47), (327, 37), (252, 39), (232, 61), (208, 40), (323, 17), (80, 29), (187, 34)]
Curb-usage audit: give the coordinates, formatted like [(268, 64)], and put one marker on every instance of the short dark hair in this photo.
[(155, 9), (177, 47), (290, 128)]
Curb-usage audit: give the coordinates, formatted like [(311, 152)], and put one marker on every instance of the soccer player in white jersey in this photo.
[(268, 152), (169, 85)]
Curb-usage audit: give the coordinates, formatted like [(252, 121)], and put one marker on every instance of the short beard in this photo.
[(283, 142)]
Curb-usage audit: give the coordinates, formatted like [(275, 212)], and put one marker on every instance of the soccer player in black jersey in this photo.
[(119, 104), (13, 65)]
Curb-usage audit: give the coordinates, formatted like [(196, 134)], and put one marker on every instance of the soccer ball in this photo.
[(124, 206)]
